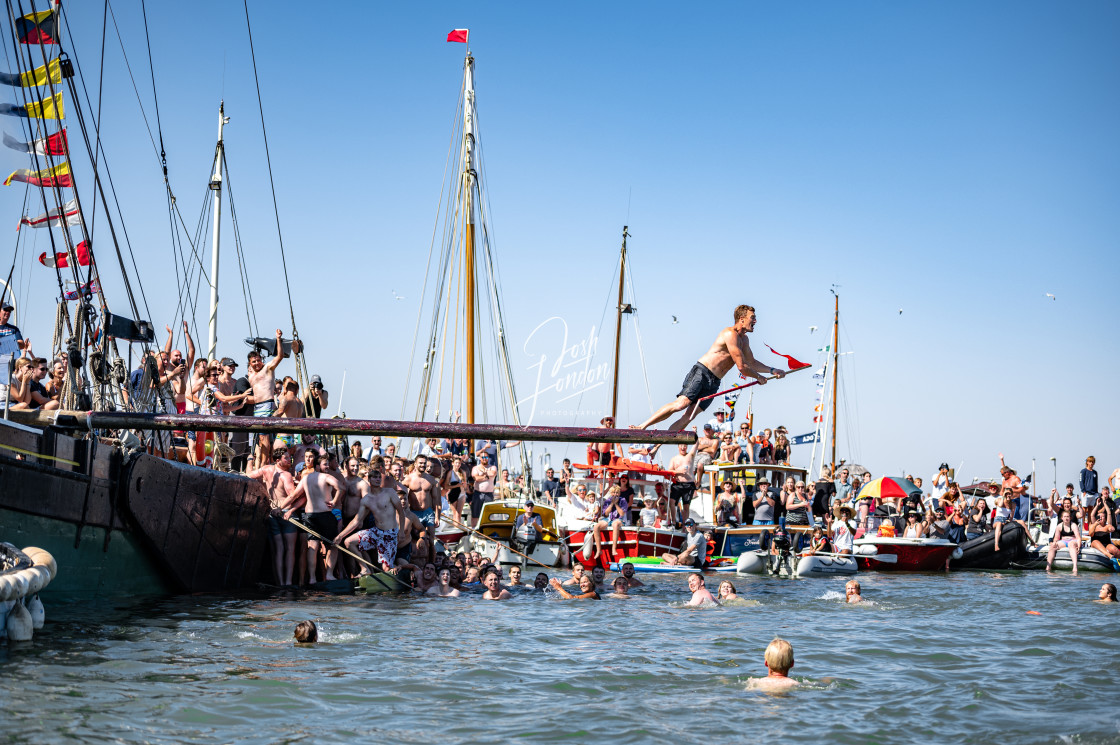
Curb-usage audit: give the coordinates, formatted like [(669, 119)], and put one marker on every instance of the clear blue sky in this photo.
[(957, 161)]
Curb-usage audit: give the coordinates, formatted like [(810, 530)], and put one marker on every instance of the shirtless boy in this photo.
[(700, 594), (324, 493), (730, 349), (443, 587), (382, 506), (424, 498), (779, 660), (180, 384), (277, 480), (494, 589), (262, 378)]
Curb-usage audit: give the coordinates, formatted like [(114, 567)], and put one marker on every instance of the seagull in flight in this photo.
[(1051, 296), (812, 329), (674, 319), (396, 296)]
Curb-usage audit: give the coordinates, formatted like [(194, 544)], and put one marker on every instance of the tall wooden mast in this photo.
[(468, 186), (618, 324), (835, 369)]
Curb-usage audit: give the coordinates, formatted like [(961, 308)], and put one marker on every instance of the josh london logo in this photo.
[(560, 367)]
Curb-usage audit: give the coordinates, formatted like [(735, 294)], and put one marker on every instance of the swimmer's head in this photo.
[(852, 587), (620, 585), (578, 570), (541, 581), (586, 584), (306, 632), (779, 656), (1108, 592), (628, 570), (598, 574)]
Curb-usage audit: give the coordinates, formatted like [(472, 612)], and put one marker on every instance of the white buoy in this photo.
[(20, 628), (38, 613), (5, 606)]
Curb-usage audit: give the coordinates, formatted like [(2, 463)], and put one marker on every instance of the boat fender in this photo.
[(37, 579), (5, 606), (958, 552), (42, 558), (866, 550), (7, 588), (20, 628), (749, 563), (38, 613), (19, 580)]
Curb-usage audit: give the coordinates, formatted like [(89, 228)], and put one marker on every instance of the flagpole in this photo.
[(754, 382)]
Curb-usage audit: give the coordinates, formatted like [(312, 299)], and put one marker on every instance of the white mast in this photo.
[(216, 187)]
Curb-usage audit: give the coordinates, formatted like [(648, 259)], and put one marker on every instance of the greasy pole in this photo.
[(104, 420)]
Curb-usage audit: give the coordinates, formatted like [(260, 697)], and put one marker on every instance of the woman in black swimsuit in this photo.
[(1101, 528)]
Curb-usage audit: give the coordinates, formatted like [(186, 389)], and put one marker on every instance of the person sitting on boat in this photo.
[(1066, 534), (494, 589), (915, 526), (647, 516), (628, 575), (938, 523), (615, 514), (700, 595), (978, 520), (527, 529), (729, 450), (1005, 512), (727, 591), (592, 537), (779, 660), (729, 503), (586, 589), (442, 588), (1101, 528), (852, 592), (695, 548), (620, 590), (818, 542), (577, 574), (1107, 593)]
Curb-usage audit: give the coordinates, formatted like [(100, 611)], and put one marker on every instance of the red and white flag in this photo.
[(62, 260), (68, 214), (459, 35), (50, 145)]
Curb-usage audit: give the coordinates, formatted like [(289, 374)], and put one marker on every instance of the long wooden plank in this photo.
[(106, 420)]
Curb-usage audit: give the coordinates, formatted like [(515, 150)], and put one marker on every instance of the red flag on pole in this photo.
[(61, 259), (793, 364), (459, 35)]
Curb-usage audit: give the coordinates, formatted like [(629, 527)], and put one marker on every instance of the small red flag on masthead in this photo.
[(459, 35)]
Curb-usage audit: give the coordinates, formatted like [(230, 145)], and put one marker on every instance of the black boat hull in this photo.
[(980, 553)]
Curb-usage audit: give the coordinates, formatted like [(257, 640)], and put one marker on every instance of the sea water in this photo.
[(936, 658)]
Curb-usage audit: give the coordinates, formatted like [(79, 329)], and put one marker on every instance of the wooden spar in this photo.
[(468, 235), (618, 325), (213, 423)]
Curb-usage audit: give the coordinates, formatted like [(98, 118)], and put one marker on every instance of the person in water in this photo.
[(628, 575), (577, 574), (515, 577), (540, 581), (779, 661), (621, 589), (494, 589), (727, 591), (442, 588), (852, 592), (1107, 593), (308, 633), (730, 349), (586, 589), (598, 576), (700, 594)]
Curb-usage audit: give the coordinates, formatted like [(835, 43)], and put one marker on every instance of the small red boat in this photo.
[(633, 542), (910, 554)]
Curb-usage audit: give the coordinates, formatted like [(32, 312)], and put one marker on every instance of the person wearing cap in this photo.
[(316, 399), (695, 550), (600, 453), (720, 423), (730, 349), (11, 339), (528, 527), (940, 483)]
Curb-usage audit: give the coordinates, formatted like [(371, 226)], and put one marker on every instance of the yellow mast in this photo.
[(468, 233)]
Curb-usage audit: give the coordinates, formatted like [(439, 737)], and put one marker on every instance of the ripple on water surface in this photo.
[(936, 657)]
